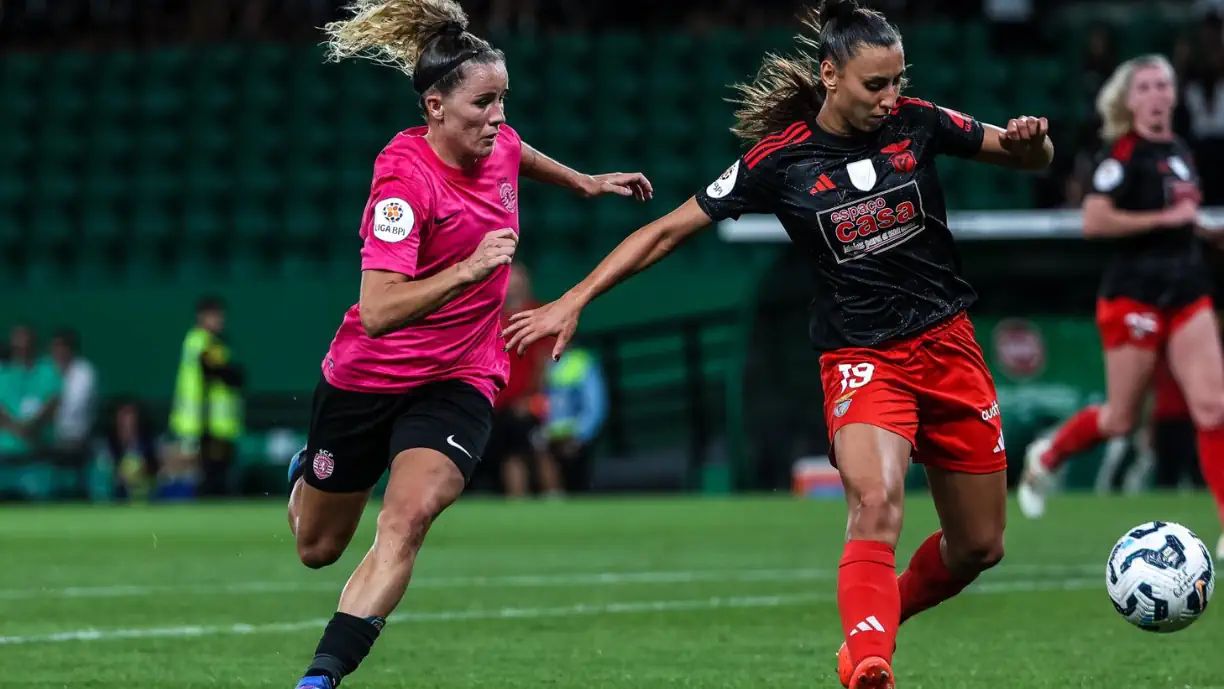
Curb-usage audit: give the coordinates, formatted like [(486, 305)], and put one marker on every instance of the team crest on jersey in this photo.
[(841, 408), (1179, 168), (323, 464), (862, 174), (874, 224), (509, 198), (902, 160)]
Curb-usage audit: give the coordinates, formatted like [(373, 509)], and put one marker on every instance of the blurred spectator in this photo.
[(132, 451), (1204, 103), (29, 395), (1100, 60), (577, 406), (206, 416), (516, 444), (75, 416)]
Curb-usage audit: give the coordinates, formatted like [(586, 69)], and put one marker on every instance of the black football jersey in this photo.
[(868, 212), (1165, 267)]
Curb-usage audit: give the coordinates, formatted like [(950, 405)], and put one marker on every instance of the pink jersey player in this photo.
[(409, 379)]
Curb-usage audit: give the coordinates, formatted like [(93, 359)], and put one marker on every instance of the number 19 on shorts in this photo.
[(855, 376)]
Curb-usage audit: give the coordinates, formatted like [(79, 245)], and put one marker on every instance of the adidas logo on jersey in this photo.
[(871, 624), (999, 445), (822, 184)]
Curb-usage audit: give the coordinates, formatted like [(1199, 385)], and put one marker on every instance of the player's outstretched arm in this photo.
[(1024, 145), (635, 253), (540, 168), (391, 301), (1103, 219)]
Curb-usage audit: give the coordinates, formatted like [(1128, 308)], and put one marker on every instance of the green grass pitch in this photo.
[(601, 593)]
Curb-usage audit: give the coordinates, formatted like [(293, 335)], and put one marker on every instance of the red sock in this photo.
[(868, 599), (1079, 433), (1211, 460), (927, 582)]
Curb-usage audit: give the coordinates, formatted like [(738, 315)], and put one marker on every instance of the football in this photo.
[(1160, 577)]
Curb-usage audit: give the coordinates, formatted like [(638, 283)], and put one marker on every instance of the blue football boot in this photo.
[(315, 683), (297, 467)]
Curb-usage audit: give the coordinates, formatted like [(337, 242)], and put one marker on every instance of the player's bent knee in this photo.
[(1207, 413), (317, 553), (402, 528), (977, 555), (1115, 422), (876, 514)]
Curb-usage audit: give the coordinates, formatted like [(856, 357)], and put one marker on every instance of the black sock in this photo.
[(345, 643)]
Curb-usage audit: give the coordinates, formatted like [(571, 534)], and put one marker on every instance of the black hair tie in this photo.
[(423, 80)]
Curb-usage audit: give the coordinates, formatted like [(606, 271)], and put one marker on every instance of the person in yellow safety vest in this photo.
[(206, 416)]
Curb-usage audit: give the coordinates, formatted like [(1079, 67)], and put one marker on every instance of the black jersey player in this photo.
[(848, 166), (1154, 299)]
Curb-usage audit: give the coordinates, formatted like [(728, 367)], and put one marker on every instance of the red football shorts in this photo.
[(1124, 321), (933, 389)]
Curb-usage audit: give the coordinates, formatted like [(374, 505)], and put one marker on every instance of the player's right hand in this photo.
[(560, 319), (1185, 212), (496, 249)]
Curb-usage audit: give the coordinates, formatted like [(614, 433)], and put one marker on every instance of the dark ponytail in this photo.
[(426, 39), (787, 89)]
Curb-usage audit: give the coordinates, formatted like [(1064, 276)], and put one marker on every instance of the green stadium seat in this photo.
[(104, 225), (44, 271), (58, 140), (111, 139), (257, 176), (292, 266), (11, 227), (192, 267), (154, 180), (92, 269), (201, 221), (253, 220), (150, 221), (143, 265), (243, 265), (301, 219)]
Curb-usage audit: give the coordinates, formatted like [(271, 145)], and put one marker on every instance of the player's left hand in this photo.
[(558, 318), (632, 184), (1026, 133)]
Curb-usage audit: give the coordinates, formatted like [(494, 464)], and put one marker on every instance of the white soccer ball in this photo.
[(1160, 577)]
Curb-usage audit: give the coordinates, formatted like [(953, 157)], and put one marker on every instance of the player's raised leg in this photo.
[(423, 483), (1128, 371), (1197, 363), (972, 515), (872, 462)]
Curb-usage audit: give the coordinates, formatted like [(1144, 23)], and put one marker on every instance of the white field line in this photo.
[(581, 609), (508, 581)]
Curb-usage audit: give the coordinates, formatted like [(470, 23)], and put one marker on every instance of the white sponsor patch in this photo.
[(723, 185), (1179, 168), (862, 174), (1108, 175), (393, 220)]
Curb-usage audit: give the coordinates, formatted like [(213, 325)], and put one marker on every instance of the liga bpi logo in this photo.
[(509, 198), (324, 464), (393, 220), (393, 212)]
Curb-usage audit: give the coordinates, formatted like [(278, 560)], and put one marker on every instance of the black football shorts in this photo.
[(354, 435)]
